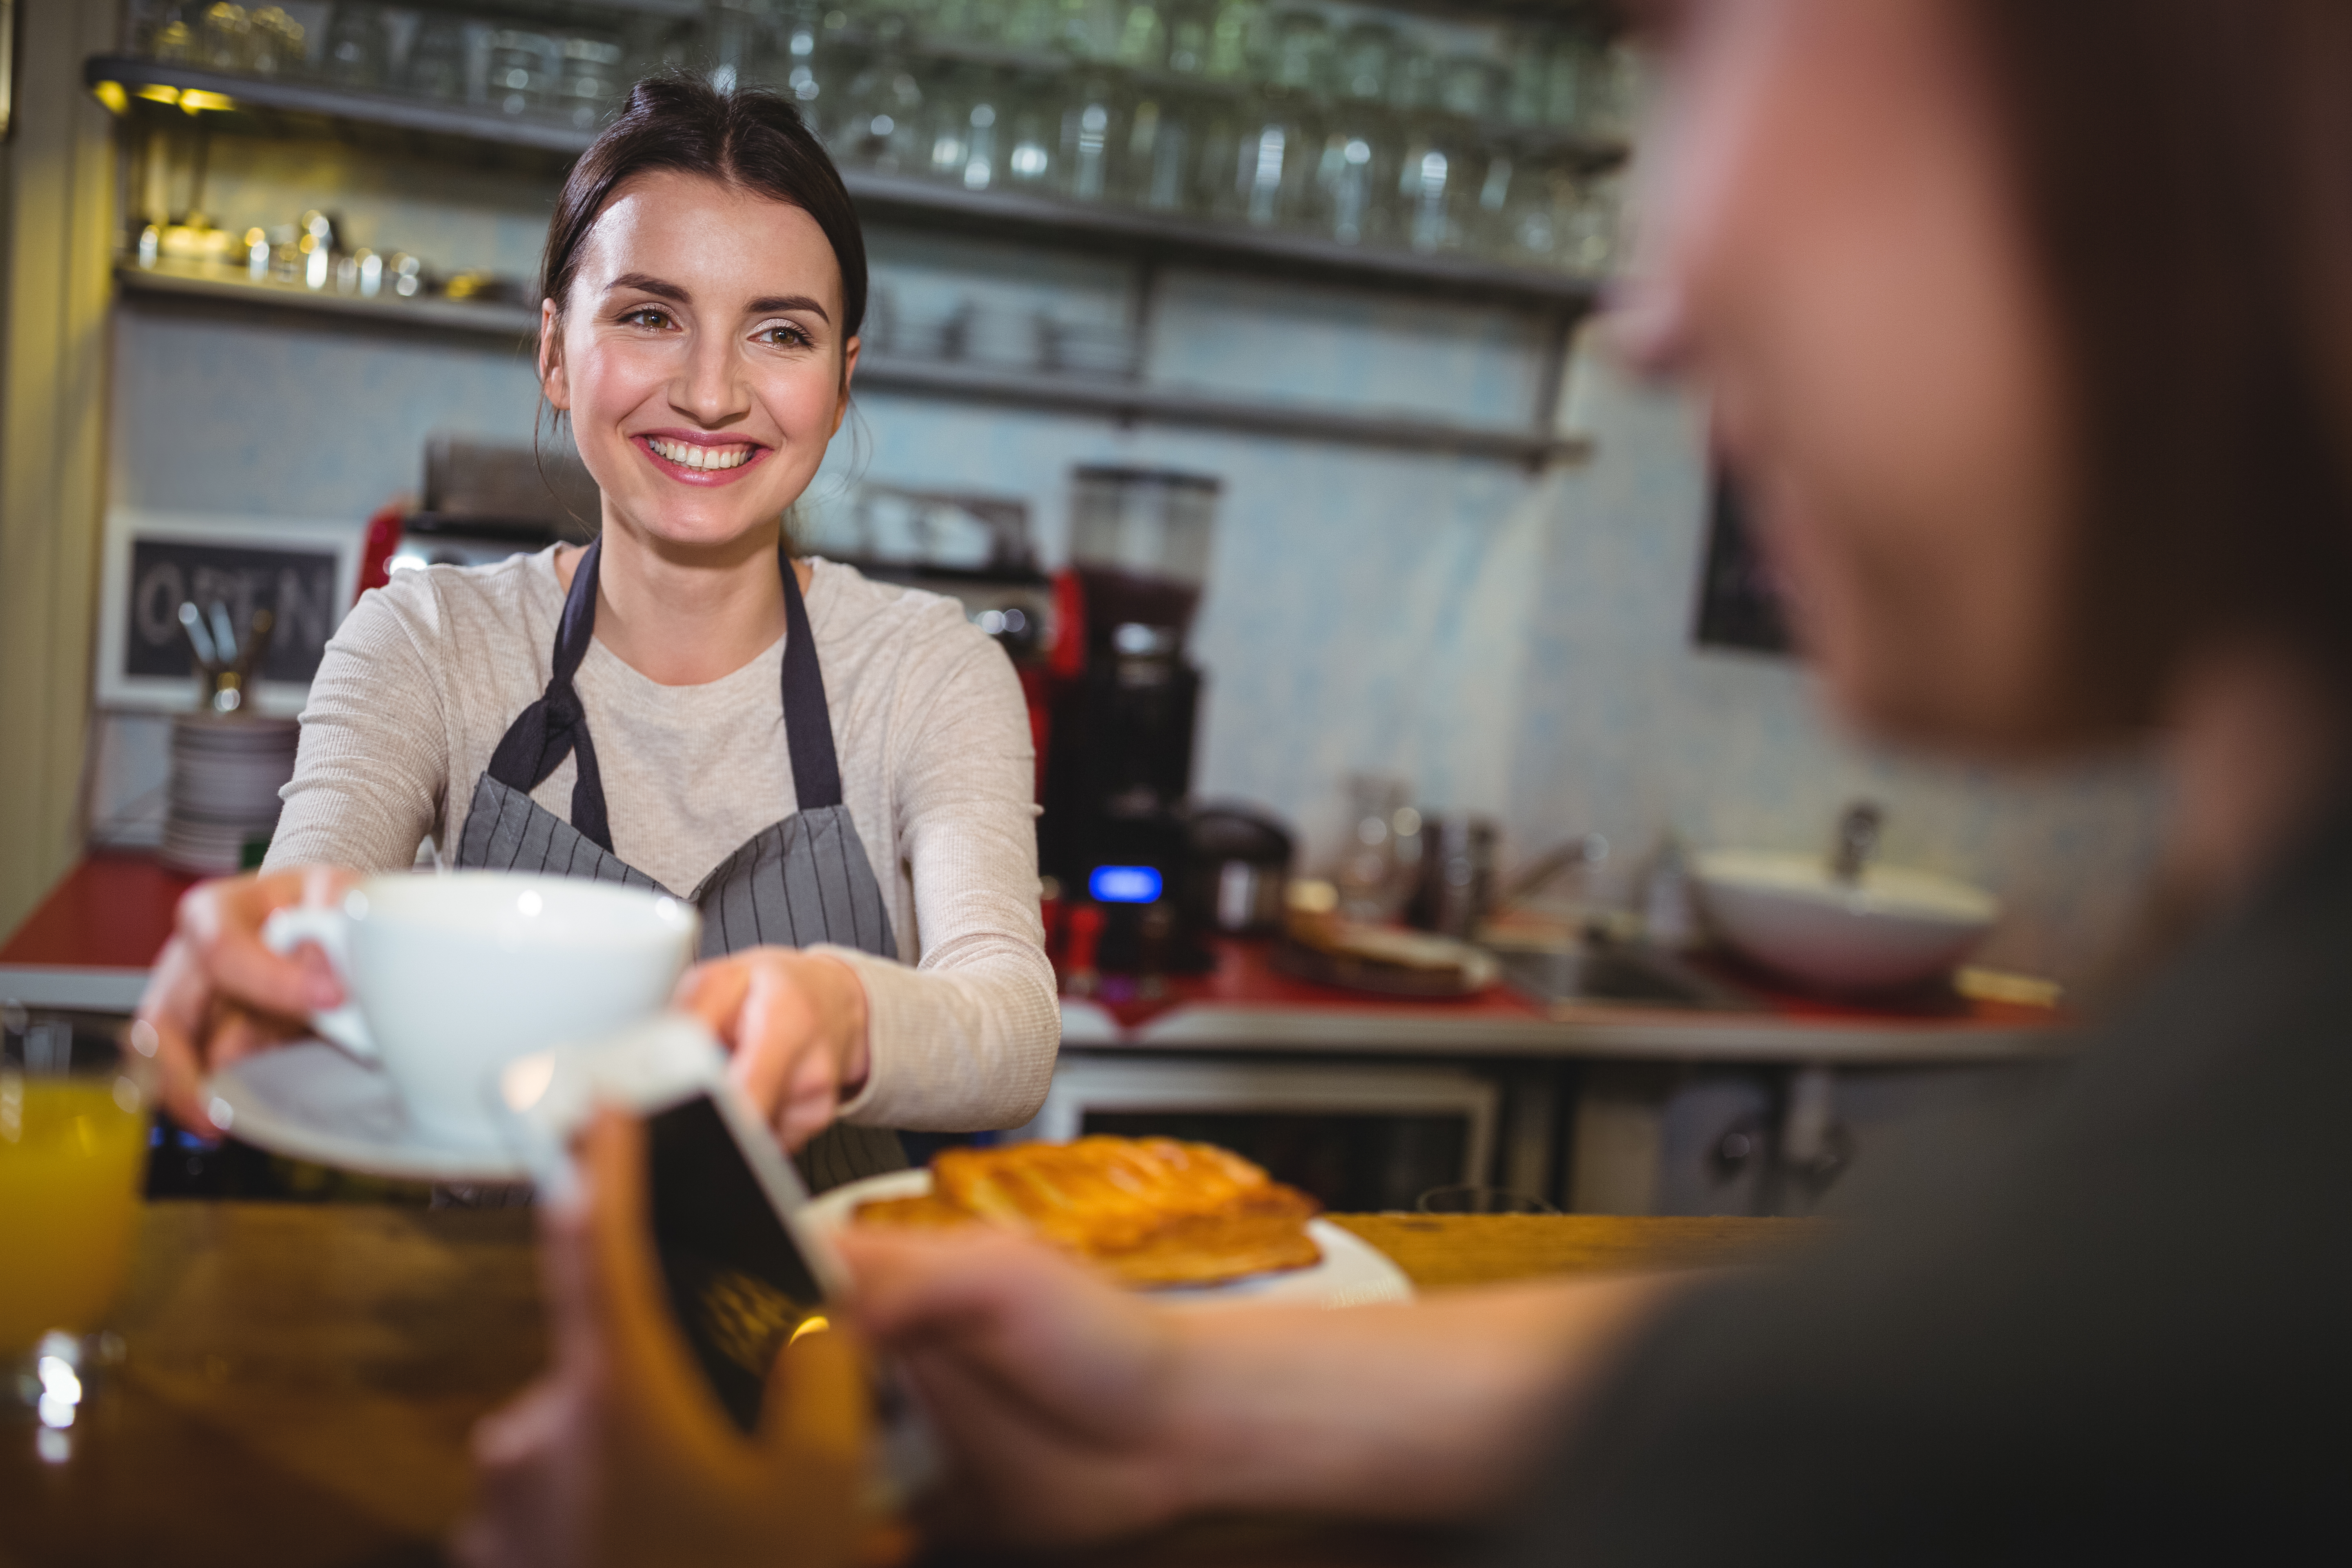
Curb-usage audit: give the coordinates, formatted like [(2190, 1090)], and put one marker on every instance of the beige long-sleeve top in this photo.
[(937, 769)]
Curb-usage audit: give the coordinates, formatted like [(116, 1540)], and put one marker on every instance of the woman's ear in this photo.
[(552, 379), (848, 369)]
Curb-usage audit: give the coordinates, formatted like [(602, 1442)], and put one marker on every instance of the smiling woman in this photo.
[(680, 704)]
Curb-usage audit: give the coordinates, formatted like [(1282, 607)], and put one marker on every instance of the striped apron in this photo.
[(805, 880)]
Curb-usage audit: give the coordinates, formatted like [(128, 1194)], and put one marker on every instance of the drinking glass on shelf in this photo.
[(810, 59), (226, 41), (946, 139), (1272, 170), (1526, 96), (1412, 75), (1470, 86), (436, 60), (1425, 185), (1305, 53), (1035, 142), (730, 41), (1594, 226), (1143, 37), (522, 68), (882, 127), (1372, 877), (1363, 58), (1612, 95), (173, 39), (972, 19), (1568, 79), (1536, 221), (1094, 119), (73, 1157), (277, 44), (356, 46), (1360, 150), (966, 151), (1091, 29), (1159, 136), (587, 77), (1220, 123), (1033, 24), (1188, 25), (1282, 139), (1236, 46)]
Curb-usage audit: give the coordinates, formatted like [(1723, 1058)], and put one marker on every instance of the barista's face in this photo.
[(1834, 251), (701, 358)]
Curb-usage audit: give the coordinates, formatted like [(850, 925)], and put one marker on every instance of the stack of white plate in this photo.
[(227, 771)]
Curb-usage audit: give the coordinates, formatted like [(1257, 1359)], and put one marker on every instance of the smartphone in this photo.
[(746, 1272)]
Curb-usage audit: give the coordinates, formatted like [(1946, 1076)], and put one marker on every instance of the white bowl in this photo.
[(1893, 929)]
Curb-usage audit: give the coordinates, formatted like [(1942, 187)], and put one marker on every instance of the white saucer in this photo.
[(312, 1102), (1353, 1272)]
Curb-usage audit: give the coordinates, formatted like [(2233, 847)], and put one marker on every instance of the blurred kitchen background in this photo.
[(1288, 305)]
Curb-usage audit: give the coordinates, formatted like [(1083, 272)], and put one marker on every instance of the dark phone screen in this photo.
[(738, 1283)]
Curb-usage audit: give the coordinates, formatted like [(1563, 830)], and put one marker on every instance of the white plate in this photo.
[(1353, 1273), (312, 1102)]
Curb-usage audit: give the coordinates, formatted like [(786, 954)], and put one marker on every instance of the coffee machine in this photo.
[(1121, 762)]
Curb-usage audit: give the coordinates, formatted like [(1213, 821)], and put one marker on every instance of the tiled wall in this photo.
[(1513, 644)]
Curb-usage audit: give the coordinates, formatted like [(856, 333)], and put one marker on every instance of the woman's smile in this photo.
[(695, 458)]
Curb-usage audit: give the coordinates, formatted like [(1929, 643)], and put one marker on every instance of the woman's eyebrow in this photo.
[(645, 283), (781, 303)]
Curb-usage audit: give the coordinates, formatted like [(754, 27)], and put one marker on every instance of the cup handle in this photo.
[(329, 929)]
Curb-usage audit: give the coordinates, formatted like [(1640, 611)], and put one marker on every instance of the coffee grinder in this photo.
[(1120, 764)]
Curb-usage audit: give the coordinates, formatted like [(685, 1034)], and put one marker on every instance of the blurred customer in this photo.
[(2027, 324)]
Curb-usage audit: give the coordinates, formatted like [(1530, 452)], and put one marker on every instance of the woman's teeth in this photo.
[(686, 455)]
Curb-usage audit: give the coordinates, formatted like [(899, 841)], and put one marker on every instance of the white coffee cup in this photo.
[(450, 977)]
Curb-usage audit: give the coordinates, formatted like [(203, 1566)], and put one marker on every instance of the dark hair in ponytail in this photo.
[(751, 140)]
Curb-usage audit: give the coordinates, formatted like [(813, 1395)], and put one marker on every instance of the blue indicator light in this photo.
[(1124, 885)]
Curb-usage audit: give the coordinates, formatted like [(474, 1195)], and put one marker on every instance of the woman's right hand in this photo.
[(216, 993)]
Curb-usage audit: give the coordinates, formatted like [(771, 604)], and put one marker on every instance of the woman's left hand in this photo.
[(796, 1024)]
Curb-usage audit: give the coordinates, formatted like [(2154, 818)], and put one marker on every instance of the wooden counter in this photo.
[(299, 1379)]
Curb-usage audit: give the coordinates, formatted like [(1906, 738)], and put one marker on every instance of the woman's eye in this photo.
[(646, 316), (783, 335)]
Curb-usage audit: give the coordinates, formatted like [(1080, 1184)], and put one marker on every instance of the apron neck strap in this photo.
[(808, 722), (556, 726)]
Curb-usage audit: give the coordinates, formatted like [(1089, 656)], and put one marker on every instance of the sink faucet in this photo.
[(1590, 850), (1857, 840)]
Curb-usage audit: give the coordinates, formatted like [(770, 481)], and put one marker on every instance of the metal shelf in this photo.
[(1112, 398), (1099, 397), (273, 106), (496, 321)]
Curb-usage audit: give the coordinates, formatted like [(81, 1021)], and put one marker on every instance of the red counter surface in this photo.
[(1243, 1003), (90, 943)]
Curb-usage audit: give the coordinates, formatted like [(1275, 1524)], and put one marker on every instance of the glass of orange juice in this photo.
[(73, 1156)]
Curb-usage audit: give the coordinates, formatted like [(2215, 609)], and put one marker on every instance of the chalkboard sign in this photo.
[(1737, 604), (302, 573), (296, 586)]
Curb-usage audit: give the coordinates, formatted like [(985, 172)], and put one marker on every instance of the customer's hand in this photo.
[(216, 993), (796, 1024), (621, 1454), (1056, 1394)]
